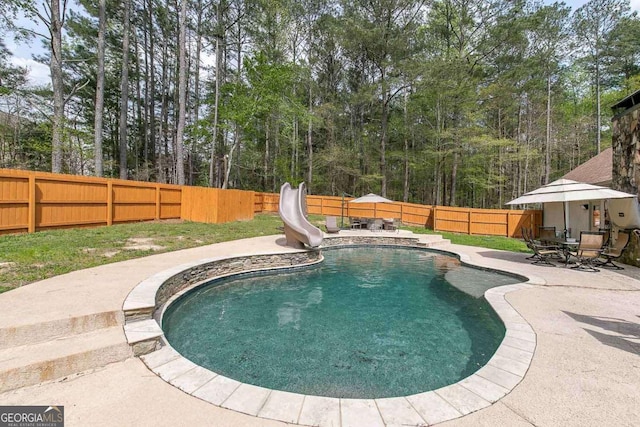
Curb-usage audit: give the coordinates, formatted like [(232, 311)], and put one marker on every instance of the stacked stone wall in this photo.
[(626, 166)]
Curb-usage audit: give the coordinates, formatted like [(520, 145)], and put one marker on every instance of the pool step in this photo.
[(27, 334), (25, 365), (432, 240), (144, 336)]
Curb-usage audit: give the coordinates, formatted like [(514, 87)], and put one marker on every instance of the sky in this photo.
[(39, 73)]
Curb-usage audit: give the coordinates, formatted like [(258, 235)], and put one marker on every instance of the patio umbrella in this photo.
[(371, 198), (566, 190)]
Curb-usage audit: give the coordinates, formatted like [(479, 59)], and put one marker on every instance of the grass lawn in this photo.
[(27, 258), (491, 242)]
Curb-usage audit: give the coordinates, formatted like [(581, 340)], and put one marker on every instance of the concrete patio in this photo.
[(585, 369)]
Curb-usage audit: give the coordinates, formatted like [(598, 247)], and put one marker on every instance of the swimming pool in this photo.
[(365, 323)]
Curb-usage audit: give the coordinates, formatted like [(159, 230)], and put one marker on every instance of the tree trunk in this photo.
[(55, 67), (212, 168), (598, 117), (437, 191), (124, 92), (383, 141), (547, 150), (294, 149), (310, 142), (164, 114), (182, 93), (141, 124), (454, 178), (265, 165), (196, 88), (405, 184), (229, 160), (99, 108), (151, 150), (276, 152)]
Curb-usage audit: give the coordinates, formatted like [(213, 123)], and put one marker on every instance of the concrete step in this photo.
[(432, 240), (26, 334), (35, 363), (436, 243)]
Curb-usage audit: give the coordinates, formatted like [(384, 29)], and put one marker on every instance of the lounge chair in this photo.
[(614, 252), (541, 253), (589, 250), (331, 224)]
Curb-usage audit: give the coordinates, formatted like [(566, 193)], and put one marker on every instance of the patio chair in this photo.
[(614, 252), (389, 224), (547, 234), (528, 240), (375, 225), (589, 250), (331, 224), (355, 223), (607, 236), (541, 253)]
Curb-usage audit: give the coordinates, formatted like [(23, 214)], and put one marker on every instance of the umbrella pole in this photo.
[(565, 211)]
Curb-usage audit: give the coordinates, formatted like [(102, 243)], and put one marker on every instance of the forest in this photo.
[(447, 102)]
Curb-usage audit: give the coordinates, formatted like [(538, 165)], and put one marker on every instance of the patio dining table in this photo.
[(365, 223), (566, 246)]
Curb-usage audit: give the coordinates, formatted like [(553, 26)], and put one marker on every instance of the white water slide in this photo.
[(292, 209)]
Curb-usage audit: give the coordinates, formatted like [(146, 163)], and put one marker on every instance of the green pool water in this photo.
[(365, 323)]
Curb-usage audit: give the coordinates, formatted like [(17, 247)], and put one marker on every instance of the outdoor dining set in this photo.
[(372, 224), (593, 249)]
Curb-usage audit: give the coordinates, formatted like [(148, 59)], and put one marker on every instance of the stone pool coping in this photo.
[(496, 379)]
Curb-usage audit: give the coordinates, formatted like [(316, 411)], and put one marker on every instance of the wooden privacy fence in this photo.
[(214, 205), (497, 222), (32, 201)]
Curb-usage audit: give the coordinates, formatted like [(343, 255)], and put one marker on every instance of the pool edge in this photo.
[(502, 373)]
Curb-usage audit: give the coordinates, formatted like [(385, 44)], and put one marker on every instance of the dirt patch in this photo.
[(141, 244), (110, 254), (88, 250), (5, 267)]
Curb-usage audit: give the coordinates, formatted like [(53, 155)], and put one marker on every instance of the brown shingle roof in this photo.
[(597, 170)]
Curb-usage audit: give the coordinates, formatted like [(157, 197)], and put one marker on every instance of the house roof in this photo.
[(597, 170), (626, 103)]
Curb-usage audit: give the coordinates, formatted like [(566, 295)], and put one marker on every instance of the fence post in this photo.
[(109, 202), (508, 224), (158, 201), (31, 226), (469, 221)]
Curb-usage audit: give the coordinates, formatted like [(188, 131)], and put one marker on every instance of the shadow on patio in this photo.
[(507, 256), (626, 334)]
